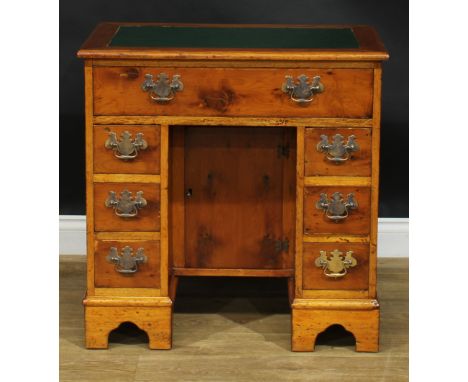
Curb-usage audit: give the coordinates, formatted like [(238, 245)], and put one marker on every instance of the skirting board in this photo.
[(393, 236)]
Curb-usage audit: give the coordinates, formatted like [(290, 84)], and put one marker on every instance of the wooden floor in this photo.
[(233, 330)]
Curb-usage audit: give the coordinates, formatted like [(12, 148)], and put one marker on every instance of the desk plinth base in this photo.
[(151, 314), (311, 317)]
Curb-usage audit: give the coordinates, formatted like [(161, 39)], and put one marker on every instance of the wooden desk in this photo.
[(232, 151)]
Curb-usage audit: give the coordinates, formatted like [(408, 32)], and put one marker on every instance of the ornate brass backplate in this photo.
[(337, 208), (126, 206), (337, 151), (125, 262), (301, 91), (335, 265), (162, 90), (126, 148)]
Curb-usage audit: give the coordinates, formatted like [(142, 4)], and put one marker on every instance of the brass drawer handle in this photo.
[(302, 91), (162, 90), (126, 206), (337, 208), (338, 151), (125, 262), (337, 265), (126, 148)]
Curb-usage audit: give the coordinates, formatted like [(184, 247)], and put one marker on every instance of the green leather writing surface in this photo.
[(227, 37)]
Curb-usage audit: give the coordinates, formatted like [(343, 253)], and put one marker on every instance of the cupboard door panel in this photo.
[(234, 202)]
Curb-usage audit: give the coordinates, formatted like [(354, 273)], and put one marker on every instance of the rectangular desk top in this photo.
[(160, 36), (236, 42)]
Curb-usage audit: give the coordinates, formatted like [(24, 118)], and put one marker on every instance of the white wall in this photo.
[(393, 236)]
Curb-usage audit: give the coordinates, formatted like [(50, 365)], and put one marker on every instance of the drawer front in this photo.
[(337, 152), (125, 272), (333, 270), (233, 92), (147, 217), (126, 149), (331, 220)]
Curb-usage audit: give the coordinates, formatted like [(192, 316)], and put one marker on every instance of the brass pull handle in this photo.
[(338, 151), (162, 90), (301, 91), (126, 206), (337, 208), (125, 262), (126, 148), (337, 265)]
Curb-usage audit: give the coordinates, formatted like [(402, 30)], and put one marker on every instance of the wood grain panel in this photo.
[(327, 294), (316, 222), (128, 235), (177, 197), (148, 218), (316, 163), (234, 215), (115, 301), (300, 133), (164, 212), (127, 292), (147, 161), (358, 181), (335, 239), (374, 214), (232, 121), (88, 76), (233, 92), (147, 276), (156, 321), (357, 277), (126, 178), (234, 272), (289, 195), (237, 64), (307, 324)]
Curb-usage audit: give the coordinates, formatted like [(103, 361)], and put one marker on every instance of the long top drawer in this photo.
[(346, 93)]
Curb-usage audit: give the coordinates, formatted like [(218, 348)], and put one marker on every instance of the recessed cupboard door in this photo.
[(234, 198)]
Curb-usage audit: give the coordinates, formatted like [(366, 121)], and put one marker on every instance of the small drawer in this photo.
[(263, 92), (127, 264), (340, 216), (127, 212), (335, 266), (126, 149), (337, 152)]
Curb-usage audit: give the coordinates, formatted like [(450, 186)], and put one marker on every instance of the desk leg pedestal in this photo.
[(151, 314), (312, 317)]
